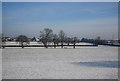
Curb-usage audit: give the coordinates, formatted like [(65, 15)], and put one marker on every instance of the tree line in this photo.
[(96, 41), (47, 37)]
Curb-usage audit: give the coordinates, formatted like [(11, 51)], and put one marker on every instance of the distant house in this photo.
[(6, 38), (114, 42), (109, 42), (35, 39)]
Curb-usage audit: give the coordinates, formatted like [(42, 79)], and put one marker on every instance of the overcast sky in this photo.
[(81, 19)]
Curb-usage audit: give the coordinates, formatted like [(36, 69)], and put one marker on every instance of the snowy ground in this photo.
[(41, 63), (0, 64), (40, 43)]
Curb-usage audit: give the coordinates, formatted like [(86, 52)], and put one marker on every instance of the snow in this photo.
[(42, 63), (0, 64), (40, 43)]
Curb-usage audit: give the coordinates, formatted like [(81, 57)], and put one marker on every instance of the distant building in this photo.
[(114, 42), (35, 39)]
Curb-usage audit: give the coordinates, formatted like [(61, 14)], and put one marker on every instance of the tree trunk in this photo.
[(74, 45), (62, 45), (46, 46), (54, 45), (22, 45), (68, 43)]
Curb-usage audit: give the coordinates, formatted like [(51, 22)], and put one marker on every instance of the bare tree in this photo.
[(46, 36), (75, 40), (1, 35), (61, 37), (23, 40), (3, 40), (68, 40), (55, 40)]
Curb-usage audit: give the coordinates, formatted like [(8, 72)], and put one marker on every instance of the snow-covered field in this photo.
[(41, 63), (0, 64), (40, 43)]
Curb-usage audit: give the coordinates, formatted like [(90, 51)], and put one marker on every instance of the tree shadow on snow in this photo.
[(104, 64)]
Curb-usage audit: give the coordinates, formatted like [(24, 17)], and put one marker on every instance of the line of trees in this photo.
[(47, 36), (96, 41)]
